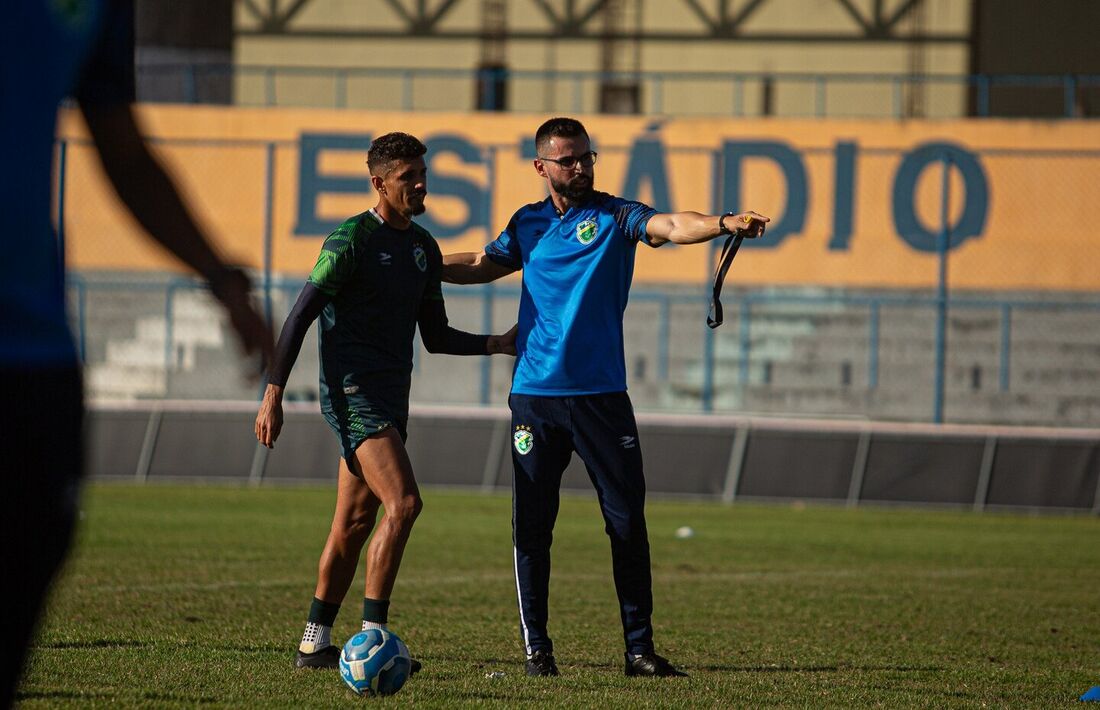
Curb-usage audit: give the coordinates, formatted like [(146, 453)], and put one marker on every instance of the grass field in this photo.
[(186, 596)]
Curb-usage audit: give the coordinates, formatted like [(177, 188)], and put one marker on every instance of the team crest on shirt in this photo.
[(586, 231), (523, 439), (421, 258)]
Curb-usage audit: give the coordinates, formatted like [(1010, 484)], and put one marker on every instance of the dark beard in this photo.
[(419, 209), (573, 192)]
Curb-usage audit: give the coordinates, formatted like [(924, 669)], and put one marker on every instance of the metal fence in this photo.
[(738, 94), (985, 362)]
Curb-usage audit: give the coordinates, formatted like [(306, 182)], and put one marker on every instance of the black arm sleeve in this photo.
[(311, 301), (439, 337)]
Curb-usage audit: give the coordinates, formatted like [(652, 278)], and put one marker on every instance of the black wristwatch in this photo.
[(722, 228)]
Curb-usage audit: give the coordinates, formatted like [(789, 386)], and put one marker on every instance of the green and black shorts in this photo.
[(354, 418)]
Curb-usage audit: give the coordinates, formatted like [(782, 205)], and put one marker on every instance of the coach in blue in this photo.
[(576, 249), (377, 278)]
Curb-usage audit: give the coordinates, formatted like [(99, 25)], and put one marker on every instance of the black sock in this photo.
[(376, 610), (323, 613)]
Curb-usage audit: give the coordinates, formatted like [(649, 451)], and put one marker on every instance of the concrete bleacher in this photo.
[(810, 358)]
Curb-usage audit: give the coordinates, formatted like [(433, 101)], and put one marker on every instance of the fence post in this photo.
[(259, 465), (872, 366), (82, 318), (487, 327), (983, 95), (1006, 344), (708, 370), (269, 86), (488, 293), (341, 88), (169, 294), (498, 443), (985, 474), (859, 468), (148, 444), (662, 340), (1069, 95), (269, 205), (744, 343), (736, 463), (941, 292), (190, 84)]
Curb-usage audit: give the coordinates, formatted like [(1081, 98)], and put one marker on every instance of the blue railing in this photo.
[(188, 83), (745, 304)]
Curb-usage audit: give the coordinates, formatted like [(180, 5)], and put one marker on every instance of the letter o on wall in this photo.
[(975, 209)]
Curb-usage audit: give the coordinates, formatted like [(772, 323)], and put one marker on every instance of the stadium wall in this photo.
[(719, 457), (856, 204)]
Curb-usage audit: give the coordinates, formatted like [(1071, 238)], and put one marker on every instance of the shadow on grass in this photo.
[(96, 643), (129, 643), (819, 669), (92, 695), (720, 668)]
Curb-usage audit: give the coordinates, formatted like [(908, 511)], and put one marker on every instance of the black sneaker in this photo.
[(327, 657), (650, 664), (414, 666), (541, 663)]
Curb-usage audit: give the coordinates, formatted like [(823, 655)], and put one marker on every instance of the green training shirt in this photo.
[(377, 277)]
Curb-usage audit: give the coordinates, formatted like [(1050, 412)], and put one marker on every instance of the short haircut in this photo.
[(390, 148), (560, 127)]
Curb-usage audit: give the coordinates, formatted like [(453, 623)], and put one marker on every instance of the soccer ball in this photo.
[(375, 662)]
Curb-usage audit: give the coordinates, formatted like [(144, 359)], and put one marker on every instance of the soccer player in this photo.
[(377, 278), (49, 50), (576, 249)]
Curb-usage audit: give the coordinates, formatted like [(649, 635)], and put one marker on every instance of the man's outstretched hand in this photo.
[(749, 223)]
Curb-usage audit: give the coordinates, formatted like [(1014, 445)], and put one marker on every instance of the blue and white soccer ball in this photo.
[(375, 662)]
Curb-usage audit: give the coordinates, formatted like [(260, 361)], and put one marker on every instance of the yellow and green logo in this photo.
[(586, 231), (523, 439)]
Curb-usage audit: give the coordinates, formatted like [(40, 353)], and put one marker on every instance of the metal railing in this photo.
[(811, 94), (751, 308)]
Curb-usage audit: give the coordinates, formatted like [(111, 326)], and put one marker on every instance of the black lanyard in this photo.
[(733, 243)]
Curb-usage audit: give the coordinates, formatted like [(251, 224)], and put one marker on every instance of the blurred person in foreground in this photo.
[(50, 50), (377, 278), (576, 249)]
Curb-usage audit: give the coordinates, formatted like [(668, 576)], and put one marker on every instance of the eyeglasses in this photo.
[(569, 162)]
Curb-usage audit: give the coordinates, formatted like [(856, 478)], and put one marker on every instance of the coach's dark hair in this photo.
[(388, 149), (560, 127)]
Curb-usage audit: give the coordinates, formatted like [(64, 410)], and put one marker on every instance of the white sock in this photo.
[(315, 638), (374, 625)]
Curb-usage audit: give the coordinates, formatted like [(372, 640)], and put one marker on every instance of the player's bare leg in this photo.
[(385, 466), (352, 523)]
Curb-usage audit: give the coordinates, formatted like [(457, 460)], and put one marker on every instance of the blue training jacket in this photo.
[(577, 269)]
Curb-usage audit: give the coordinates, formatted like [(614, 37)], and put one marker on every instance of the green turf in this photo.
[(186, 596)]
